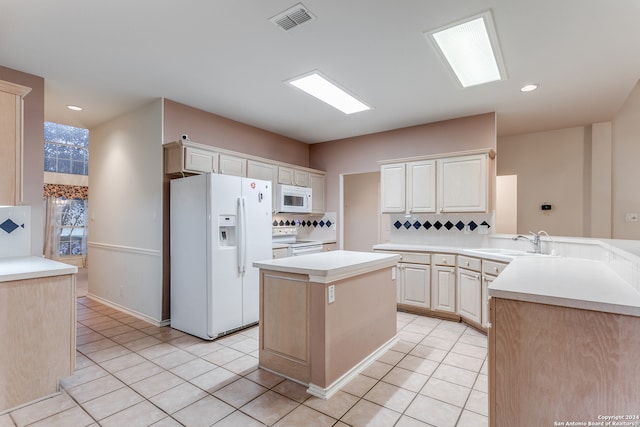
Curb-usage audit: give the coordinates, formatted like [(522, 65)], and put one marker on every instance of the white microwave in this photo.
[(293, 199)]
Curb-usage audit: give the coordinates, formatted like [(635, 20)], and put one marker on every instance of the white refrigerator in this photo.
[(220, 225)]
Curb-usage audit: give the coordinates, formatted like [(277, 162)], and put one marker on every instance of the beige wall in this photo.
[(361, 211), (362, 153), (626, 167), (550, 169), (588, 173), (217, 131), (33, 167)]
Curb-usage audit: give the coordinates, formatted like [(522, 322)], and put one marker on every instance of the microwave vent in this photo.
[(293, 17)]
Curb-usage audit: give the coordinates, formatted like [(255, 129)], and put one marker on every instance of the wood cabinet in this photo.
[(550, 364), (280, 253), (185, 159), (408, 187), (318, 185), (292, 176), (436, 185), (232, 165), (469, 289), (443, 283), (11, 143), (463, 184), (38, 332), (189, 158)]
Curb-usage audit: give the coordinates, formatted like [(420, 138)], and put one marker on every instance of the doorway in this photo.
[(363, 223)]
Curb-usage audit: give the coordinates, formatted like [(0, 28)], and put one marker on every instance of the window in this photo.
[(66, 149), (72, 232)]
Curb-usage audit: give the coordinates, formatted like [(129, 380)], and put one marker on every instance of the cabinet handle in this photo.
[(496, 269), (444, 261), (467, 263)]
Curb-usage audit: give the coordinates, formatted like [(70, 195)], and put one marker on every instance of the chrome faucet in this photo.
[(535, 240)]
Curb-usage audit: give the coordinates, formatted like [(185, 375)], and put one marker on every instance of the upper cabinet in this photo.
[(188, 158), (436, 185), (318, 185), (11, 128), (462, 184), (293, 176), (232, 165)]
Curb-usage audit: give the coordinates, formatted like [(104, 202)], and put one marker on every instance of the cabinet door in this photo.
[(266, 172), (300, 178), (392, 188), (415, 282), (421, 186), (469, 295), (462, 184), (443, 289), (231, 165), (280, 253), (197, 160), (285, 175), (317, 183), (11, 144)]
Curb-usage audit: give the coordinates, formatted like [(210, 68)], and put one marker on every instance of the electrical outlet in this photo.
[(331, 294), (631, 217)]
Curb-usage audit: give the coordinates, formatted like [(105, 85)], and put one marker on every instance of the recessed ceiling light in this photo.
[(74, 107), (470, 48), (528, 88), (320, 87)]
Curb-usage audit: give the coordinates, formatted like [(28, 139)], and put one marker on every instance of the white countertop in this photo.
[(20, 268), (329, 266), (441, 249), (567, 282)]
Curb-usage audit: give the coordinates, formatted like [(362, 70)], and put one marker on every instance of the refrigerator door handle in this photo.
[(242, 236)]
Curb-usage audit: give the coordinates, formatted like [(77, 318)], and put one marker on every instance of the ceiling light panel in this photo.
[(320, 87), (471, 50)]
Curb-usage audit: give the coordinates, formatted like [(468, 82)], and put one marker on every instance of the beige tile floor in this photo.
[(130, 373)]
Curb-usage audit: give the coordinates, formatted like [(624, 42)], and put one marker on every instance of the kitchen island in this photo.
[(37, 330), (563, 344), (324, 317)]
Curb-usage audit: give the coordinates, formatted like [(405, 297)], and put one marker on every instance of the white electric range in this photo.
[(288, 235)]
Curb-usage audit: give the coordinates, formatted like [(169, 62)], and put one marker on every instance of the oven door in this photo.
[(304, 250)]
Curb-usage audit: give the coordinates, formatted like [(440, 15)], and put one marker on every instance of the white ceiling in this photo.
[(227, 58)]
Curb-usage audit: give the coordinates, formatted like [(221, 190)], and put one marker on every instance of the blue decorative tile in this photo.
[(281, 223), (315, 223), (407, 225), (472, 225), (427, 225), (321, 223), (275, 223), (485, 223), (9, 226), (417, 225), (448, 225), (437, 225), (329, 223), (287, 223), (397, 225), (460, 225)]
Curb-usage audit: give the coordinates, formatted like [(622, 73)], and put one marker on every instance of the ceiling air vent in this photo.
[(293, 17)]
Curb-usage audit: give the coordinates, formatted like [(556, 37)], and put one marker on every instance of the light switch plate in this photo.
[(631, 217), (331, 294)]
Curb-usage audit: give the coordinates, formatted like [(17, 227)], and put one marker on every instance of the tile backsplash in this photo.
[(441, 229), (15, 231), (310, 227)]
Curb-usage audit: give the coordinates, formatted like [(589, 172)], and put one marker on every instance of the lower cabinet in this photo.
[(414, 284), (443, 283), (469, 288)]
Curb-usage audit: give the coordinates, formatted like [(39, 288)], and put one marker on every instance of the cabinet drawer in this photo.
[(415, 258), (469, 263), (444, 259), (493, 268)]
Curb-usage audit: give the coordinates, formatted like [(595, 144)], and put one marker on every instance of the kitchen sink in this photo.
[(503, 252)]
